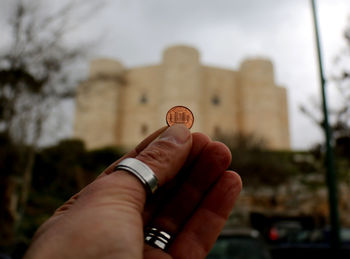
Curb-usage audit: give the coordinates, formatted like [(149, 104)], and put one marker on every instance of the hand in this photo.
[(106, 219)]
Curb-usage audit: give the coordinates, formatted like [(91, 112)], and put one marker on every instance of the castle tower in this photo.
[(182, 81), (262, 104), (219, 101), (97, 104)]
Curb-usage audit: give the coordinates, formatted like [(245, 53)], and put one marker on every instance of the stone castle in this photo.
[(116, 106)]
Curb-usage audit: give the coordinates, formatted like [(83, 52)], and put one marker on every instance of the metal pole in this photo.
[(330, 174)]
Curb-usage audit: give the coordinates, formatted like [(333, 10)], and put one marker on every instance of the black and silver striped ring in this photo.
[(157, 238)]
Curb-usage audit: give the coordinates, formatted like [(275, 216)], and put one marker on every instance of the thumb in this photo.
[(165, 156), (168, 153)]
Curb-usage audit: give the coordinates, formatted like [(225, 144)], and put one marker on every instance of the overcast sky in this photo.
[(226, 32)]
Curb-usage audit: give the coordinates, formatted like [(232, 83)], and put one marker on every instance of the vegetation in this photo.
[(36, 63), (59, 171), (259, 166)]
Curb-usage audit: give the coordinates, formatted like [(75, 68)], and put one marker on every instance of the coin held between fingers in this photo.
[(180, 115)]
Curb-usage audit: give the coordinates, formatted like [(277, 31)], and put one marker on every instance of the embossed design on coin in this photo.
[(180, 114)]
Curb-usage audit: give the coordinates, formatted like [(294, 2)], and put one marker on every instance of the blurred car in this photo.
[(324, 236), (239, 244), (312, 244), (285, 231)]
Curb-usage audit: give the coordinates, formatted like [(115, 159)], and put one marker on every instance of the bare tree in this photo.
[(340, 79), (35, 71)]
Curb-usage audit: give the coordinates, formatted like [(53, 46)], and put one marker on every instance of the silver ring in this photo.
[(141, 171), (157, 238)]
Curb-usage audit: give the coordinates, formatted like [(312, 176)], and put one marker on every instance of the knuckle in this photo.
[(157, 154)]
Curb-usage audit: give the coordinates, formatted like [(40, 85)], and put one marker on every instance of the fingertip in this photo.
[(235, 178), (178, 133), (201, 137), (222, 153)]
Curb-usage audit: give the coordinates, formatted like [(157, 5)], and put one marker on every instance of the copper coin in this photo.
[(180, 114)]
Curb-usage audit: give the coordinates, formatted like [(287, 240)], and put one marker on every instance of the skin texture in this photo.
[(106, 219)]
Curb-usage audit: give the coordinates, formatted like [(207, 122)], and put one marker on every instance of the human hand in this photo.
[(107, 218)]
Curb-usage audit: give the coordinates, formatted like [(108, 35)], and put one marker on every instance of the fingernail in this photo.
[(177, 133)]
